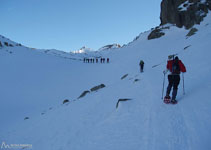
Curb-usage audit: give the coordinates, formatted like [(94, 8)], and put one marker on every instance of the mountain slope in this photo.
[(34, 85)]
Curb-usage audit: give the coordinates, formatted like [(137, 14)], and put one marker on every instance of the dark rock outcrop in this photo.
[(157, 33), (124, 76), (26, 118), (136, 80), (11, 45), (97, 87), (18, 45), (83, 94), (6, 44), (186, 47), (192, 32), (183, 12), (65, 101), (121, 100)]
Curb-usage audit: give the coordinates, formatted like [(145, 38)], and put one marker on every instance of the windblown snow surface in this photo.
[(34, 84)]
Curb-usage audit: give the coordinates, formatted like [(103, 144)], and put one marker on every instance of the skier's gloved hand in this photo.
[(165, 71)]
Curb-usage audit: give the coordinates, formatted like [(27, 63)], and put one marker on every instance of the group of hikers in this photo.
[(95, 60), (174, 67)]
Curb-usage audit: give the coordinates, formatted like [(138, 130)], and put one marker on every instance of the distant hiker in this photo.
[(107, 60), (101, 60), (96, 60), (93, 60), (84, 60), (175, 66), (141, 64), (88, 60)]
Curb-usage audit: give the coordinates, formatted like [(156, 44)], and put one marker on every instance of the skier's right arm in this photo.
[(182, 67), (167, 67)]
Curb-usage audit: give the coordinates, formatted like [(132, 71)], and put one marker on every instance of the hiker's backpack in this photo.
[(175, 67), (141, 62)]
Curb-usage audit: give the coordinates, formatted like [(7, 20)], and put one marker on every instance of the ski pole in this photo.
[(183, 84), (163, 85)]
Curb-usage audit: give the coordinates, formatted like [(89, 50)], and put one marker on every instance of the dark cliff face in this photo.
[(184, 12)]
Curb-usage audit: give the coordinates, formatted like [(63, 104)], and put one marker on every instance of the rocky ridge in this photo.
[(184, 12)]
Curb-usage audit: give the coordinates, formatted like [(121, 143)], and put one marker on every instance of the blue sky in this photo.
[(71, 24)]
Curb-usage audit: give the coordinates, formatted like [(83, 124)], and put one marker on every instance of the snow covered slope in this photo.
[(34, 85)]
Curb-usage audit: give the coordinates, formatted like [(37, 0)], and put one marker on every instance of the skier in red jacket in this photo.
[(175, 67)]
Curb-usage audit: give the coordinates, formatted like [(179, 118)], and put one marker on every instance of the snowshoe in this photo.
[(173, 101), (167, 99)]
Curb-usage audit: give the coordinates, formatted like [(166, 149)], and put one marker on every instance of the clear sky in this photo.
[(71, 24)]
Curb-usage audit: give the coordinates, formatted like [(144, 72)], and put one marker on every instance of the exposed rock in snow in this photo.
[(121, 100), (96, 88), (192, 32), (65, 101), (184, 12), (83, 94)]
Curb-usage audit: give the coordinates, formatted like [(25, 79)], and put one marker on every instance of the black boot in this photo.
[(167, 99), (173, 101)]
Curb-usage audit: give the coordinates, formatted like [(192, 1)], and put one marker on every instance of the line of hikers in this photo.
[(95, 60)]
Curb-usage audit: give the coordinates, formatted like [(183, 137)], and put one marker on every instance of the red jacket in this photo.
[(181, 66)]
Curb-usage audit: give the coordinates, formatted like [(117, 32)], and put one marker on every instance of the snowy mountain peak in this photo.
[(84, 49), (110, 46)]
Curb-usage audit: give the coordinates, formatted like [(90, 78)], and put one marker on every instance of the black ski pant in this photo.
[(174, 81)]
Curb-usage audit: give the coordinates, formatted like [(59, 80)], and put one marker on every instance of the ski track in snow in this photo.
[(172, 125)]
